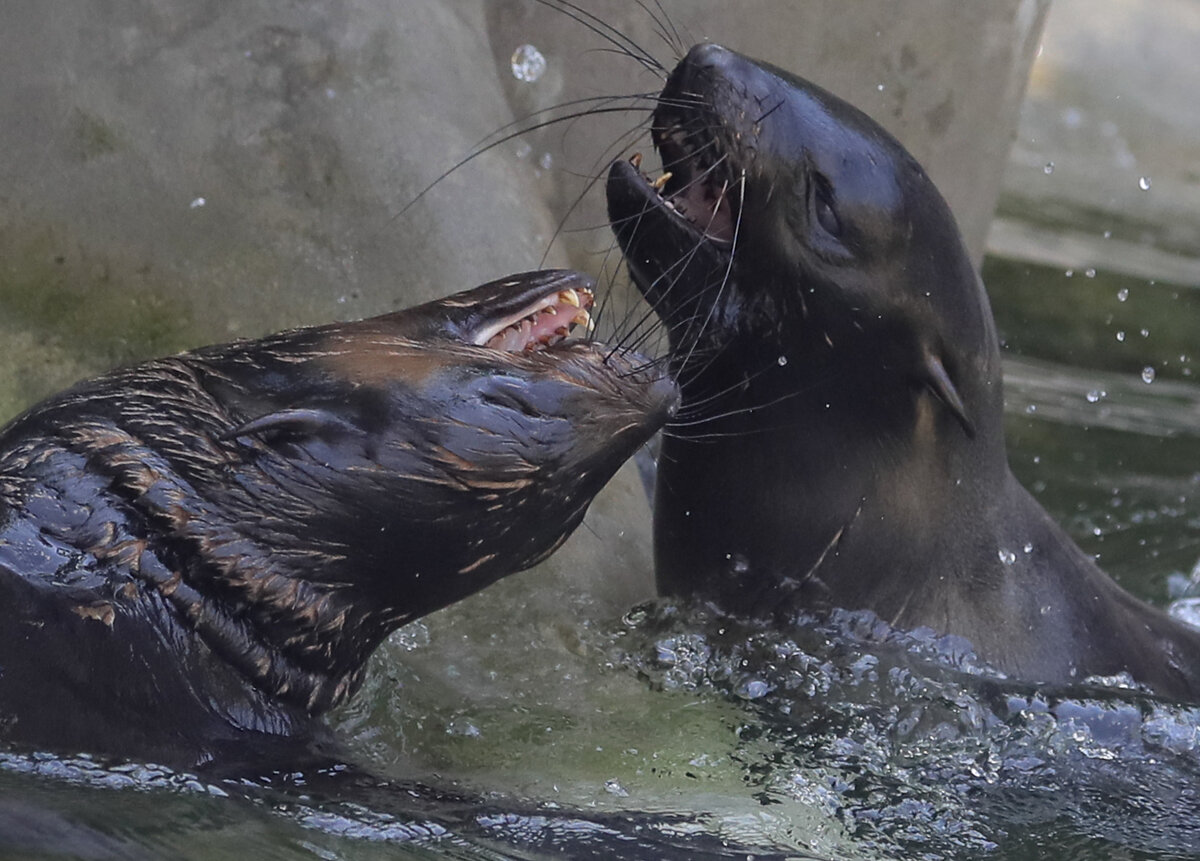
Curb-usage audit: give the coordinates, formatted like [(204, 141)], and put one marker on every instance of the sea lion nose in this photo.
[(707, 59), (708, 55)]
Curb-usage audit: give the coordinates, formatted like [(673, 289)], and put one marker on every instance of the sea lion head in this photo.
[(792, 221), (297, 497), (465, 436), (834, 345)]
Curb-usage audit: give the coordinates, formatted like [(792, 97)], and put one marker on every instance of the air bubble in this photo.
[(1007, 556), (528, 64), (1144, 183), (1148, 374), (1123, 294)]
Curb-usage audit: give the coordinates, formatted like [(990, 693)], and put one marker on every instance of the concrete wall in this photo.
[(179, 172)]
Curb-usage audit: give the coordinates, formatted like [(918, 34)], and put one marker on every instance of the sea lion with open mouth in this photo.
[(205, 549), (840, 440)]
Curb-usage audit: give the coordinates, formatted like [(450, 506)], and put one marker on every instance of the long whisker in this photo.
[(728, 268), (470, 157), (608, 32)]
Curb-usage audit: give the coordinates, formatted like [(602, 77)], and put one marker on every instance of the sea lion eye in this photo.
[(823, 204)]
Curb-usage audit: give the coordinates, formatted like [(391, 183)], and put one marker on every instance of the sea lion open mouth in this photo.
[(547, 320), (694, 186)]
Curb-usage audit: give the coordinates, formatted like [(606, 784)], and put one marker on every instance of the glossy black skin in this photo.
[(199, 553), (823, 458)]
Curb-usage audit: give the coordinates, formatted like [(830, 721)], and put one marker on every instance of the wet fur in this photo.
[(205, 549)]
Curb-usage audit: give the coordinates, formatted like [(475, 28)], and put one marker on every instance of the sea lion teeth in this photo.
[(660, 183), (570, 297), (636, 160)]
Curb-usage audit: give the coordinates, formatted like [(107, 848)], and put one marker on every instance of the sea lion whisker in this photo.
[(486, 148), (665, 28), (593, 178), (728, 271), (596, 24)]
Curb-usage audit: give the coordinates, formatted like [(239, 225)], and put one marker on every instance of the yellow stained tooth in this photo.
[(636, 160), (658, 184), (583, 318), (570, 297), (580, 318)]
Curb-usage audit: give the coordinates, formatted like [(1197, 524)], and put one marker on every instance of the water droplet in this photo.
[(1089, 273), (1148, 374), (1095, 395), (411, 637), (1123, 294), (1108, 234), (782, 361), (1145, 333), (1120, 336), (546, 161), (197, 203), (1070, 273), (879, 87), (756, 689), (1028, 548), (1144, 183), (528, 64), (1048, 168), (523, 149), (1031, 409), (614, 788), (1007, 556)]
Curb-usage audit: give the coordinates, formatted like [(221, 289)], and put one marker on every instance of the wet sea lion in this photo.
[(204, 550), (840, 440)]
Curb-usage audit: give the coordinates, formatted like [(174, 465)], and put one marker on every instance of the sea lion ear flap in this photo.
[(297, 422), (942, 386)]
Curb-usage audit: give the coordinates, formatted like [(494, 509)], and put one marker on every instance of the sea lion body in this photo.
[(206, 548), (840, 441)]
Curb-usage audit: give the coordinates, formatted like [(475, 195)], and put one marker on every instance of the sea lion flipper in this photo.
[(942, 386), (299, 422)]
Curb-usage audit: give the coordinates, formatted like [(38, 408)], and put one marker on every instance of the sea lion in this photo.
[(202, 550), (840, 440)]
